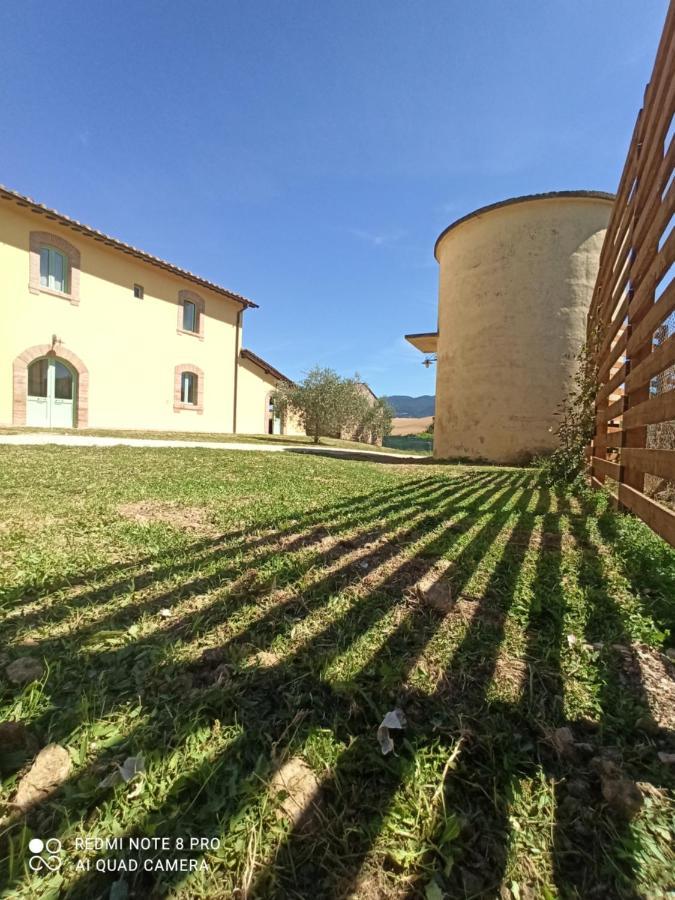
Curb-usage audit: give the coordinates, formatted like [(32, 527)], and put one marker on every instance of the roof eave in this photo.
[(40, 209), (525, 198)]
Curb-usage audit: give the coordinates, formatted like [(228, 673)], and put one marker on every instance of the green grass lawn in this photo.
[(291, 439), (235, 617)]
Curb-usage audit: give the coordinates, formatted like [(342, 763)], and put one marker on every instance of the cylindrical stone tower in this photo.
[(516, 280)]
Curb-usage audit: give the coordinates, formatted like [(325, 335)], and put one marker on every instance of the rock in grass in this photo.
[(25, 669), (437, 595), (49, 770), (297, 786), (621, 794)]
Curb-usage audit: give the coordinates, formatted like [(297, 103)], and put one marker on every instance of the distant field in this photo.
[(411, 426)]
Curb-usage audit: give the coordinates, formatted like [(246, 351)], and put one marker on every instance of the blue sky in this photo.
[(307, 154)]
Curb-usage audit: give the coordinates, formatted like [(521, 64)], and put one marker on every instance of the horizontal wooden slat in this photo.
[(660, 463), (615, 353), (614, 439), (615, 325), (658, 111), (657, 409), (658, 517), (656, 189), (658, 313), (614, 382), (657, 219), (661, 262), (612, 411), (658, 361), (617, 284), (605, 467), (619, 219)]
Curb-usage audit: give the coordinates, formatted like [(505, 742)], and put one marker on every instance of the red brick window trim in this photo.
[(40, 239), (200, 306), (20, 381), (178, 404)]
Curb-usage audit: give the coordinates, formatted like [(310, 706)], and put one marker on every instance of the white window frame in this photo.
[(48, 279), (187, 380)]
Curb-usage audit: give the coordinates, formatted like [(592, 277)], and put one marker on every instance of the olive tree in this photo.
[(324, 402), (374, 422)]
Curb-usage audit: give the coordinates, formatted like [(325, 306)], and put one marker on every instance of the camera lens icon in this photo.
[(37, 862)]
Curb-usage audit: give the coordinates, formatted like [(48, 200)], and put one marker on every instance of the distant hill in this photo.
[(412, 407)]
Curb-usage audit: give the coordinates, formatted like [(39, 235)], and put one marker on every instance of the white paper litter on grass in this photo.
[(132, 766), (395, 719)]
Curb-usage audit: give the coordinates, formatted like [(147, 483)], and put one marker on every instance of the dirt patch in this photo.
[(14, 736), (510, 673), (373, 885), (17, 746), (266, 659), (48, 772), (185, 518), (484, 608), (645, 670), (296, 785)]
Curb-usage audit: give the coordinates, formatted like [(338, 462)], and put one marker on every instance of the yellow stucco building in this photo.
[(516, 280), (103, 335)]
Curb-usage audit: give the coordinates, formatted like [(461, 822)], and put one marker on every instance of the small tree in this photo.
[(324, 402)]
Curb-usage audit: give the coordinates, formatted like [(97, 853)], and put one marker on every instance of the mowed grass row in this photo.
[(222, 614)]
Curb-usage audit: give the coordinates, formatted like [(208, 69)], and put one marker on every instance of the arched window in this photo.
[(54, 266), (188, 389), (37, 378)]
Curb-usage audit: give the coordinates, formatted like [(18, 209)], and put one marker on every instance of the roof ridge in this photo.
[(268, 367)]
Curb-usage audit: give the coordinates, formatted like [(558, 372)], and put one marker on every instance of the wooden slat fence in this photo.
[(631, 322)]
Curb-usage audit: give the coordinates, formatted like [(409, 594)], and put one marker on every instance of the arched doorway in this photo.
[(51, 397), (51, 388)]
